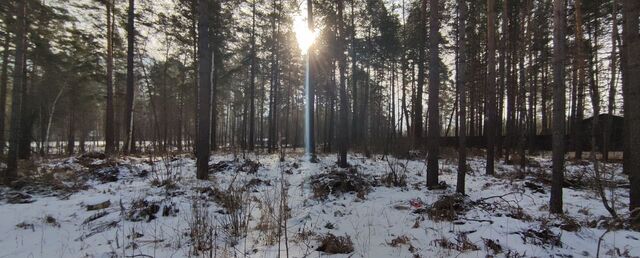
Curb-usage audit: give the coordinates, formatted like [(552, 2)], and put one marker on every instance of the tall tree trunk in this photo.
[(204, 97), (252, 86), (273, 97), (559, 23), (16, 105), (491, 81), (434, 95), (417, 112), (355, 119), (544, 95), (109, 113), (216, 68), (510, 84), (577, 129), (128, 112), (4, 81), (365, 113), (522, 92), (503, 73), (631, 91), (24, 148), (344, 102), (311, 94), (462, 66)]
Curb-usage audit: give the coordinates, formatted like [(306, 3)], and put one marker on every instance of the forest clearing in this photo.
[(308, 128), (259, 206)]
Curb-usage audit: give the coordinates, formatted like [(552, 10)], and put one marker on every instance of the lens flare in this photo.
[(304, 35)]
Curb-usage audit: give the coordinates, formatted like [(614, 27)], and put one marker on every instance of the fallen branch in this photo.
[(600, 241), (495, 196)]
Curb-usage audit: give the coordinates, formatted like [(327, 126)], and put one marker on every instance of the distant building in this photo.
[(616, 133)]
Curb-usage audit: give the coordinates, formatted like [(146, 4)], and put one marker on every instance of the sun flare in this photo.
[(304, 35)]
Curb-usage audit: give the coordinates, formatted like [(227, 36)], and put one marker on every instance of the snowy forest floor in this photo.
[(88, 206)]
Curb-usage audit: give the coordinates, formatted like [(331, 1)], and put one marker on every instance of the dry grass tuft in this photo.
[(332, 244)]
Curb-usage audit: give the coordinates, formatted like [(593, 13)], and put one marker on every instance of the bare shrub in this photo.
[(166, 175), (396, 174), (202, 228), (269, 220), (237, 205)]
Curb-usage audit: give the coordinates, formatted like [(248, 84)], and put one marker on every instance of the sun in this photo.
[(304, 35)]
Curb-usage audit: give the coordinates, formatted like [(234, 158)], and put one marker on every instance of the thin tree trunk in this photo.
[(595, 122), (462, 66), (311, 83), (52, 111), (344, 102), (502, 70), (252, 86), (577, 135), (612, 83), (109, 113), (4, 82), (417, 112), (491, 81)]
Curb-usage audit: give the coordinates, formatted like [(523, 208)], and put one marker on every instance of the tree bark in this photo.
[(204, 95), (4, 83), (417, 102), (252, 86), (128, 112), (109, 113), (16, 105), (491, 81), (462, 66), (434, 95), (576, 128), (559, 16), (631, 91), (344, 102)]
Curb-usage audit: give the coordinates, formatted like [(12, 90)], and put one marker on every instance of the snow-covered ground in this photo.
[(157, 208)]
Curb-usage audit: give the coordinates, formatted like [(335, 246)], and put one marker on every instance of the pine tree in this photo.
[(344, 102), (109, 112), (462, 96), (559, 54), (128, 112), (631, 93), (16, 103), (434, 95), (204, 94), (491, 86)]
